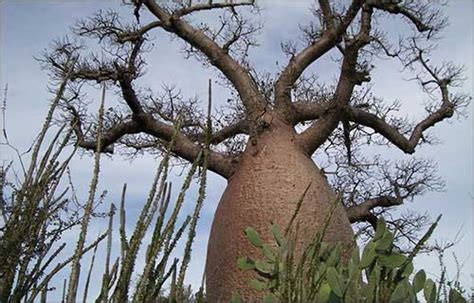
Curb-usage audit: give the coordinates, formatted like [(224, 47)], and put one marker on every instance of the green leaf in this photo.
[(351, 296), (392, 260), (321, 268), (258, 285), (400, 293), (419, 281), (368, 255), (263, 266), (272, 284), (456, 297), (429, 291), (323, 250), (334, 281), (277, 234), (356, 255), (253, 237), (380, 229), (385, 243), (245, 263), (270, 298), (408, 270), (353, 268), (324, 292), (334, 256), (268, 252), (236, 299), (368, 292), (373, 282)]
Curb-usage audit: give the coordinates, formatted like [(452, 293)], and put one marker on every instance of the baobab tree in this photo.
[(273, 124)]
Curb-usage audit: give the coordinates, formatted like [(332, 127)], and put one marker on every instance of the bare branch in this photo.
[(312, 99), (208, 6), (217, 56), (115, 62), (108, 25), (327, 14), (408, 145), (302, 60), (182, 147), (306, 111), (229, 131), (419, 13), (350, 76), (362, 212), (319, 131), (131, 98), (109, 137)]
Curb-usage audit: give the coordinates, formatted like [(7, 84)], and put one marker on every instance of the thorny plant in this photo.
[(37, 208), (325, 273), (37, 211)]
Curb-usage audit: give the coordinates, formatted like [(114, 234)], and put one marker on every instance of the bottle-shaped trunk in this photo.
[(273, 174)]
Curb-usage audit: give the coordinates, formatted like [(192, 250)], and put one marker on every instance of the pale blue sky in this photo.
[(28, 27)]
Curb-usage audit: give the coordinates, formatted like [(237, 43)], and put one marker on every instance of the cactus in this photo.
[(381, 274)]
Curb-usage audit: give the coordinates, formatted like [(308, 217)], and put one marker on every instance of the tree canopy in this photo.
[(339, 119)]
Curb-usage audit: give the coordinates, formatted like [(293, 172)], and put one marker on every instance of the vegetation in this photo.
[(42, 207), (39, 207), (262, 141), (323, 274)]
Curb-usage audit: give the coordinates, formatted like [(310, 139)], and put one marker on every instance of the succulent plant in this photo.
[(380, 274)]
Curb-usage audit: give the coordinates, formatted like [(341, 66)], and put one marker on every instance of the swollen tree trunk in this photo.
[(272, 175)]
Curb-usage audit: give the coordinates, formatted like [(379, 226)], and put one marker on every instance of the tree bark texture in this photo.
[(272, 175)]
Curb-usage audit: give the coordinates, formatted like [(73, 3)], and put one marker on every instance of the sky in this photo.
[(28, 27)]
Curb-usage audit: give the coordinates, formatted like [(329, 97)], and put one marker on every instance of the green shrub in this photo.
[(321, 274)]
